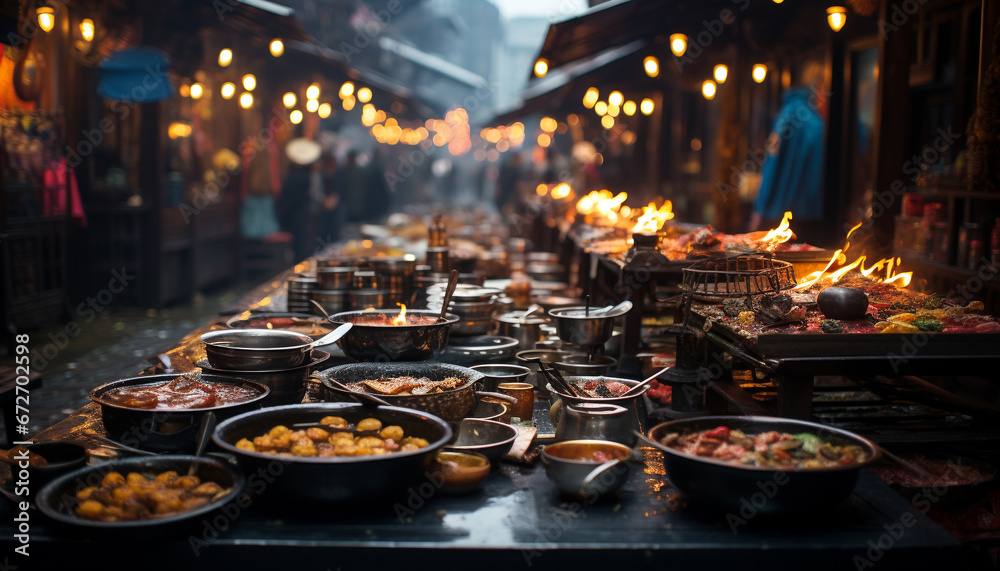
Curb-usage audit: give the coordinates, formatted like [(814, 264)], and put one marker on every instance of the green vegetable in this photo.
[(928, 324), (934, 301), (810, 442), (831, 326)]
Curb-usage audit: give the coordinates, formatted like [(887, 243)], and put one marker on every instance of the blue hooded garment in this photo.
[(792, 173)]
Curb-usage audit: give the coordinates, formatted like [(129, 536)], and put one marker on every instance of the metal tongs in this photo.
[(555, 378)]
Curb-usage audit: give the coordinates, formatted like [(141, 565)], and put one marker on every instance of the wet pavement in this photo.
[(116, 343)]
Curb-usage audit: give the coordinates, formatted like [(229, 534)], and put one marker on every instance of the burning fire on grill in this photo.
[(839, 258), (401, 318), (604, 207), (652, 218), (779, 235)]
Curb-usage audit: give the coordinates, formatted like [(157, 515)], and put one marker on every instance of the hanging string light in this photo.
[(678, 44), (721, 72), (759, 72), (225, 57), (651, 65), (277, 47), (837, 17)]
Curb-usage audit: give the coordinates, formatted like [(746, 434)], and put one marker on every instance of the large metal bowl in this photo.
[(488, 437), (337, 479), (256, 349), (635, 404), (577, 328), (167, 430), (57, 499), (450, 405), (770, 491), (309, 324), (571, 466), (287, 386), (366, 342)]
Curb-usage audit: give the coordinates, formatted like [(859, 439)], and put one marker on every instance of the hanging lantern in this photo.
[(759, 72), (277, 47), (46, 17), (225, 57), (837, 17), (678, 44), (720, 73)]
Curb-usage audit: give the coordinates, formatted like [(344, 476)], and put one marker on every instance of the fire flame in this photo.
[(840, 257), (781, 234), (602, 203), (652, 218), (401, 318)]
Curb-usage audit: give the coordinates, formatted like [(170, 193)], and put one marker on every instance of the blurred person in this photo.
[(351, 186), (295, 201), (792, 172), (376, 189), (508, 181)]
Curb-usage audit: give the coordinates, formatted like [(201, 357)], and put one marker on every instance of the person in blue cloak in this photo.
[(792, 173)]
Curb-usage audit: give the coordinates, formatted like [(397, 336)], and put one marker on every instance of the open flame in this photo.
[(401, 318), (781, 234), (603, 204), (652, 218), (840, 258)]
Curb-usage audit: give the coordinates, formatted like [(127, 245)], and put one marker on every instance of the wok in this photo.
[(336, 479), (166, 430), (769, 491), (450, 405), (56, 499), (366, 342)]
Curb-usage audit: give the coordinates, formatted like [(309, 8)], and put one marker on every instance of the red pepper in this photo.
[(722, 433)]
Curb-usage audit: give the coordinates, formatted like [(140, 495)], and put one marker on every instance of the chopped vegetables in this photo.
[(768, 449)]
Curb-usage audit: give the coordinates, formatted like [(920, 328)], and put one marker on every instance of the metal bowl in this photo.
[(571, 465), (167, 430), (450, 405), (488, 437), (726, 486), (493, 375), (256, 349), (366, 342), (635, 404), (287, 386), (479, 349), (336, 479), (582, 365), (575, 327), (548, 356), (60, 458), (57, 499), (460, 472), (473, 317)]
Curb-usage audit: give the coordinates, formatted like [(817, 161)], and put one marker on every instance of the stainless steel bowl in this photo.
[(365, 298), (473, 316), (527, 332), (256, 349), (493, 375), (370, 342), (635, 404), (576, 327), (287, 386), (488, 437), (571, 465), (547, 356)]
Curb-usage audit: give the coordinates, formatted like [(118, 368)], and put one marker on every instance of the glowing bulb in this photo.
[(651, 65), (721, 72), (364, 95), (541, 67), (197, 90), (184, 90), (759, 72), (678, 44), (312, 105), (601, 108), (837, 17), (629, 108), (312, 92), (547, 124), (46, 18), (608, 121), (590, 98), (87, 29), (225, 57), (544, 140), (613, 110), (708, 89), (295, 116), (646, 106), (349, 102), (615, 98), (288, 100), (346, 90), (277, 47), (228, 90), (249, 82), (325, 110), (246, 100)]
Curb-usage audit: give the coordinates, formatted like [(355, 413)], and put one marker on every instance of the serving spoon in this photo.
[(609, 311), (452, 283), (636, 388)]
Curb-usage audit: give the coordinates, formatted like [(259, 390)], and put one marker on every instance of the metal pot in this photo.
[(305, 481), (365, 279), (582, 365), (488, 437), (333, 301), (174, 430), (726, 486), (287, 386), (493, 375), (527, 333), (635, 404), (366, 342), (545, 272), (335, 278), (464, 293), (480, 349), (595, 421), (527, 358), (577, 328), (256, 349), (450, 405), (473, 316), (571, 466)]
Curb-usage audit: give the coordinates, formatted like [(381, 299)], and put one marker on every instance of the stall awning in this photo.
[(432, 62)]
